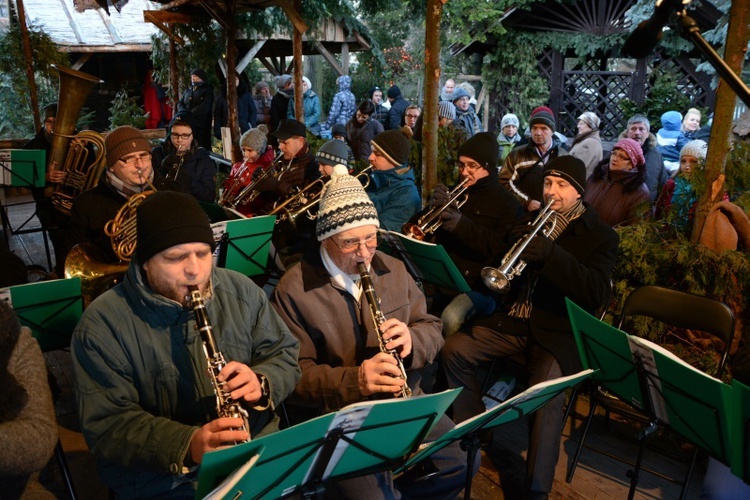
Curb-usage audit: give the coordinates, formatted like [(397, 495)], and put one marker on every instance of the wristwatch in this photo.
[(265, 399)]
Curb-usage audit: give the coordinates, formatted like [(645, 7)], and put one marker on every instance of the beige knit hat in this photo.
[(344, 205)]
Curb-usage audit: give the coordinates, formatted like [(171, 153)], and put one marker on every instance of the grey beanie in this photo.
[(255, 139), (446, 109), (333, 153)]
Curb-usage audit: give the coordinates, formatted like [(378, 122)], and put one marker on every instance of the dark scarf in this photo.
[(522, 306)]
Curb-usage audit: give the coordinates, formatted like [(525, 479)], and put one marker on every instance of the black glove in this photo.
[(538, 250), (267, 185), (450, 217), (440, 196), (518, 231), (184, 178)]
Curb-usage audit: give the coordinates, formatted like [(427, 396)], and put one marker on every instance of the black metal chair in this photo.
[(676, 309)]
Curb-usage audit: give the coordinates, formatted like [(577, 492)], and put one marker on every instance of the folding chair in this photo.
[(673, 308)]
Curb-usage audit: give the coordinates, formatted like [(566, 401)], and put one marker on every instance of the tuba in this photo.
[(498, 279), (71, 153), (430, 221), (84, 261)]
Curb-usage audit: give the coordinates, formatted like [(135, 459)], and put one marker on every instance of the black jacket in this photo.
[(487, 216), (396, 114)]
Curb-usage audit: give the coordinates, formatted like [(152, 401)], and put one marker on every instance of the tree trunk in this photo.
[(232, 115), (299, 112), (431, 90), (29, 64), (734, 54), (174, 78)]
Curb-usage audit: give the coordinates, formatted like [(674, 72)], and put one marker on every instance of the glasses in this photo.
[(412, 116), (181, 136), (371, 242), (471, 166), (132, 161), (51, 121), (620, 156)]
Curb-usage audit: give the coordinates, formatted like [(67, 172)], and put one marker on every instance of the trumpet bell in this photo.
[(495, 279), (413, 231)]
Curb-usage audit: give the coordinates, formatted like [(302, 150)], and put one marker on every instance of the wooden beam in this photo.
[(223, 66), (29, 59), (248, 57), (270, 67), (299, 111), (149, 16), (330, 58), (225, 20), (116, 38), (81, 61), (470, 78), (166, 17), (345, 57), (293, 14)]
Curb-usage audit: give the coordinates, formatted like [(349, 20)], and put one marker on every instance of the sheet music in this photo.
[(231, 481), (645, 354), (219, 228), (5, 172)]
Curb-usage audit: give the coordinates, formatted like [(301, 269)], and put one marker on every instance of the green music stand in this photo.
[(51, 309), (427, 262), (467, 432), (245, 243), (740, 430), (306, 458)]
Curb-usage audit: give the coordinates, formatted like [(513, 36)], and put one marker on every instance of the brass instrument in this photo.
[(85, 261), (378, 318), (74, 87), (302, 202), (82, 172), (122, 229), (498, 279), (250, 192), (174, 170), (430, 221), (225, 405), (226, 193)]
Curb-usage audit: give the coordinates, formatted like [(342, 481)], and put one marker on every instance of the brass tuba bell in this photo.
[(86, 262)]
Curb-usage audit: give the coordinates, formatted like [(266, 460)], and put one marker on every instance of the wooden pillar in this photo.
[(29, 64), (232, 118), (299, 112), (431, 89), (174, 80)]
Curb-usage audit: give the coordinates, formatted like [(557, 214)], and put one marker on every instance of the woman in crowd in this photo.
[(311, 108), (617, 189), (587, 146), (691, 123), (179, 158)]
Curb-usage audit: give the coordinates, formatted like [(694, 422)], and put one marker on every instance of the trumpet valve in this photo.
[(413, 231)]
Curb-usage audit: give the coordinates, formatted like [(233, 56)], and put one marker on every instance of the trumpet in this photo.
[(430, 221), (498, 279), (250, 192), (303, 202)]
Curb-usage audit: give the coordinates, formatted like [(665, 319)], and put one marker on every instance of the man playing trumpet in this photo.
[(476, 231), (323, 303), (574, 261)]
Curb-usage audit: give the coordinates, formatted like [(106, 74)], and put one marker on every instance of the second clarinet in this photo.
[(378, 318), (225, 405)]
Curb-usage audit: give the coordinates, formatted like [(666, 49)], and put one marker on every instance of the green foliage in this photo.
[(652, 253), (126, 111), (737, 171), (16, 119), (664, 95)]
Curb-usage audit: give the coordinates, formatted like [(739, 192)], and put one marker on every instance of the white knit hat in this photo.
[(697, 148), (509, 119), (590, 119), (344, 205)]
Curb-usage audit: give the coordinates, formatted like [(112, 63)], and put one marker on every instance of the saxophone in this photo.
[(225, 405), (378, 318)]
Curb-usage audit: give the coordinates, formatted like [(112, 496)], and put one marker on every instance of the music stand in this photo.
[(51, 309), (740, 431), (22, 168), (306, 458), (467, 432), (668, 390), (244, 244), (426, 261)]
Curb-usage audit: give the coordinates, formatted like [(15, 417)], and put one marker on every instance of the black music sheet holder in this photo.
[(307, 458), (243, 244), (468, 431)]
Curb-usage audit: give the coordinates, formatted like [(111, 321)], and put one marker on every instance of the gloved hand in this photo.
[(440, 196), (518, 231), (450, 217), (267, 185), (538, 250)]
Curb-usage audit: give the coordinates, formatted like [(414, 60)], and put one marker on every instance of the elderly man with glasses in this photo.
[(323, 303)]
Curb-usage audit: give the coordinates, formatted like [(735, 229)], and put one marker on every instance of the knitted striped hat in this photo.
[(446, 109), (344, 205)]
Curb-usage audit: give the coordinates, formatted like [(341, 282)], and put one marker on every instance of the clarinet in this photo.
[(225, 405), (378, 318)]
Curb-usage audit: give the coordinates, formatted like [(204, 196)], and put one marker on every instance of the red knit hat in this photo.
[(633, 150)]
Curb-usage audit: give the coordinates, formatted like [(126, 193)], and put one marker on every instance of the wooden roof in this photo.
[(93, 30)]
